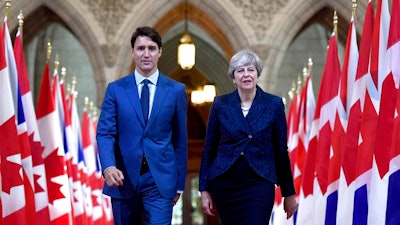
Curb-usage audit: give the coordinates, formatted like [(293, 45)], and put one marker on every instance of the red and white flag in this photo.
[(53, 154), (71, 157), (378, 189), (23, 133), (339, 193), (325, 118), (78, 159), (303, 115), (86, 171), (12, 181), (393, 209), (356, 104), (278, 213), (309, 111), (39, 175), (391, 97), (94, 177)]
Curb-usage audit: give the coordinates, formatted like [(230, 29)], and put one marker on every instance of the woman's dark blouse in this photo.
[(260, 137)]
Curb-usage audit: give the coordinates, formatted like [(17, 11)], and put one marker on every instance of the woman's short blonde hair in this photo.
[(244, 58)]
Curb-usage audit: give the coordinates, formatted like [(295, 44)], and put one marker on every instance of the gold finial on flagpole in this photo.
[(87, 103), (305, 73), (20, 18), (299, 83), (73, 83), (292, 91), (335, 22), (49, 48), (310, 65), (63, 73), (91, 106), (8, 7), (74, 80), (73, 91), (94, 116), (56, 63), (354, 6)]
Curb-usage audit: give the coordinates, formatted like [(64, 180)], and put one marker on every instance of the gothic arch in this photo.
[(210, 63), (297, 18), (217, 22), (39, 17)]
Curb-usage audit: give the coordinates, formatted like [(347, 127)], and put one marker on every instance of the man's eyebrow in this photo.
[(147, 46)]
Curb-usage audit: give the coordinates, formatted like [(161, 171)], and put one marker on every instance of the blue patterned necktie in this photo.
[(144, 99)]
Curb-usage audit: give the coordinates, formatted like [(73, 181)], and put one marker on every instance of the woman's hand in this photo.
[(290, 206)]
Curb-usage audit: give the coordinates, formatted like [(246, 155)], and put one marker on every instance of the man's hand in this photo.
[(113, 177), (207, 204), (176, 199)]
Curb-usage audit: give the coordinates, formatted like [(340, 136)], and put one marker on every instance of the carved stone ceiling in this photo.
[(110, 12), (259, 13)]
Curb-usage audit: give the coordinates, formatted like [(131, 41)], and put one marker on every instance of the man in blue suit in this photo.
[(142, 138)]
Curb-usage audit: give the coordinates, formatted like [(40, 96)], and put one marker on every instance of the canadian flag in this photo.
[(71, 154), (57, 180), (12, 182), (304, 209), (278, 215), (39, 175), (90, 154), (79, 160), (23, 90)]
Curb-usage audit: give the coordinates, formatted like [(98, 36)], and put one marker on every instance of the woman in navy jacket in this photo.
[(245, 151)]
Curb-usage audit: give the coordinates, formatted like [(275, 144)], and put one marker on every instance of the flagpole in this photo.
[(20, 18), (48, 50), (8, 7), (335, 25), (310, 66), (63, 73), (56, 64), (354, 6)]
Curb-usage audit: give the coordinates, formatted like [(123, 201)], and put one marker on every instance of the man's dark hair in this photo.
[(146, 31)]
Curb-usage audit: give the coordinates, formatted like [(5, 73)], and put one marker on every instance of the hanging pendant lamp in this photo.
[(186, 48)]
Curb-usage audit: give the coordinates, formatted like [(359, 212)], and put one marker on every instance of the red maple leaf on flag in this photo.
[(12, 178), (36, 150), (38, 187), (94, 183), (37, 160), (74, 192), (54, 188), (95, 199), (12, 172)]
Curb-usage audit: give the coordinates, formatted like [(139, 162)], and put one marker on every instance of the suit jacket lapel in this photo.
[(257, 108), (159, 96), (133, 96), (237, 114)]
